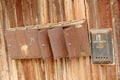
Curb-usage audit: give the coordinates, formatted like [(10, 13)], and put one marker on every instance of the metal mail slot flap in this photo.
[(102, 49), (57, 40), (72, 42), (44, 43), (23, 44), (32, 38), (84, 45), (12, 45)]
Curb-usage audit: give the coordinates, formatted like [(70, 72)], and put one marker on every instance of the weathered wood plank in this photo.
[(96, 72), (11, 12), (11, 63), (90, 13), (104, 72), (49, 69), (20, 70), (34, 10), (43, 14), (104, 13), (82, 68), (19, 13), (51, 25), (88, 68), (27, 14), (115, 6), (79, 10), (111, 72), (68, 10)]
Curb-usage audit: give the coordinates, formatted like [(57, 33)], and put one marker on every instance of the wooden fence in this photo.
[(17, 13)]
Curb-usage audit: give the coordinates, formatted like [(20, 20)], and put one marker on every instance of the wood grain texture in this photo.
[(100, 72), (79, 9), (27, 13), (104, 12), (11, 11), (32, 12), (19, 13), (115, 6)]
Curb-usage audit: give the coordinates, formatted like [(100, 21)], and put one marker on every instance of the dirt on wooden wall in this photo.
[(17, 13)]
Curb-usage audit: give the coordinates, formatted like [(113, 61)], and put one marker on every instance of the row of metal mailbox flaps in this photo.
[(54, 43)]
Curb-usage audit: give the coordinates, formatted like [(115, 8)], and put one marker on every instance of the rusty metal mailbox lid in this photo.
[(23, 44), (44, 43), (102, 49), (84, 44), (72, 42), (12, 45), (32, 38), (57, 40)]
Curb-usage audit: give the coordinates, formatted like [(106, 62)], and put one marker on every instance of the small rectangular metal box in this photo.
[(84, 44), (101, 44)]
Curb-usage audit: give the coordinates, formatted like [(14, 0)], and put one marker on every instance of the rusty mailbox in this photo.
[(102, 48), (71, 39), (12, 45), (84, 43), (57, 41), (44, 43), (77, 41), (22, 43), (32, 38)]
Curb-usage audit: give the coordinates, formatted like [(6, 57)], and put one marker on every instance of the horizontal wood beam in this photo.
[(78, 23)]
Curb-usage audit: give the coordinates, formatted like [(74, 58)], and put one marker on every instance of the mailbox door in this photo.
[(12, 45), (44, 43), (72, 42), (32, 38), (23, 44), (84, 43), (57, 41), (102, 50)]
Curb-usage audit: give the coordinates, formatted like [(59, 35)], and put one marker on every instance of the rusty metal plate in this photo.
[(84, 44), (102, 48), (44, 43), (23, 45), (71, 39), (32, 37), (57, 40), (12, 45)]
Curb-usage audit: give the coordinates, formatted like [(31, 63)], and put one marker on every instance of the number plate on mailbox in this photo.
[(101, 43)]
